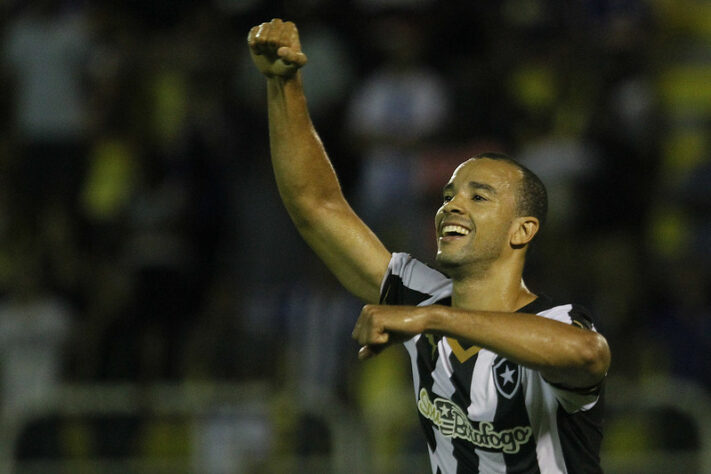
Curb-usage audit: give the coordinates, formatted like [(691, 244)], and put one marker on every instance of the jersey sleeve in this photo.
[(573, 399), (411, 282)]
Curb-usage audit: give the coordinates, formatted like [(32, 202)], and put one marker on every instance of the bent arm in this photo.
[(562, 353), (309, 188)]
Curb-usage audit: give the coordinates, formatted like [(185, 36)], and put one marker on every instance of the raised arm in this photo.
[(305, 177)]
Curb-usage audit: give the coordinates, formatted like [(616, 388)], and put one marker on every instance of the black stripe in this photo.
[(511, 413), (580, 437), (462, 373), (461, 379), (541, 303), (426, 361), (396, 293), (581, 317)]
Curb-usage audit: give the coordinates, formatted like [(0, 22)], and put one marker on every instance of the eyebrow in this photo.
[(472, 185)]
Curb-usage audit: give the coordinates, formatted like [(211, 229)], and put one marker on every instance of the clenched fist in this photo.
[(380, 326), (275, 48)]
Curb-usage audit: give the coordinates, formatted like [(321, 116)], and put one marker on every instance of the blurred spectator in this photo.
[(331, 68), (680, 321), (34, 325), (46, 47), (319, 317), (395, 111)]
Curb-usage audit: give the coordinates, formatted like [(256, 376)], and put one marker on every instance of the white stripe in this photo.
[(443, 387), (542, 405), (491, 462), (433, 459), (444, 453), (559, 313), (419, 277), (483, 408), (411, 346), (482, 389)]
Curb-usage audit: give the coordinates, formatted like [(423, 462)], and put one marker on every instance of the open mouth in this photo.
[(451, 230)]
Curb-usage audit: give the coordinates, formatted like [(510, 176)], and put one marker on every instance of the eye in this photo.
[(446, 198), (478, 197)]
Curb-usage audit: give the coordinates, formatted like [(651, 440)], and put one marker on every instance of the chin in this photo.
[(460, 266), (451, 267), (447, 261)]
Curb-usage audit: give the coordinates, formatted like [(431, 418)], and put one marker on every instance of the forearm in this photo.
[(303, 172), (562, 353)]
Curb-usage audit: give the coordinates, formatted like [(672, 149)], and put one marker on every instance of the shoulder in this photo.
[(570, 313)]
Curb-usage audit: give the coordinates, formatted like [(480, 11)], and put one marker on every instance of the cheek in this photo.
[(438, 217), (493, 228)]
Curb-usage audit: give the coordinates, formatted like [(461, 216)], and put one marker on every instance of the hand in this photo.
[(275, 48), (380, 326)]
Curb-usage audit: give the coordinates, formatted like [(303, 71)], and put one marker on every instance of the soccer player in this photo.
[(505, 380)]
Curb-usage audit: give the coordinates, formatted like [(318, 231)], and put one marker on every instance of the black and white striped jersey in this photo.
[(483, 413)]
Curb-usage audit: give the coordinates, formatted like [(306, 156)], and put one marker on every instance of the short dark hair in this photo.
[(532, 197)]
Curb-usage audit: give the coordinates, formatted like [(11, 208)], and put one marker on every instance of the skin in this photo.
[(486, 265)]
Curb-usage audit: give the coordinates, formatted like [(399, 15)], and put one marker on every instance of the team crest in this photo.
[(507, 377)]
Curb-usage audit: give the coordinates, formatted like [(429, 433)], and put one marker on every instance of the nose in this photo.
[(453, 206)]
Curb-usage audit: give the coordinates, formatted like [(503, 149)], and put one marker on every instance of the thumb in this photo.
[(292, 56), (368, 351)]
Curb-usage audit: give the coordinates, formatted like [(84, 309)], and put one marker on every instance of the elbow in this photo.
[(586, 367), (595, 358), (307, 208)]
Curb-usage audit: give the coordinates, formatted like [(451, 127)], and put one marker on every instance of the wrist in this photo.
[(286, 87), (435, 319), (285, 80)]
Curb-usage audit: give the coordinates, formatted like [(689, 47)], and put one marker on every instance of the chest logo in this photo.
[(453, 423), (507, 378)]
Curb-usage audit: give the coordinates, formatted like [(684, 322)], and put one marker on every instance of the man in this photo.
[(505, 380)]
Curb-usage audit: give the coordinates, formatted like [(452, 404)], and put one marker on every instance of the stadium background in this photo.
[(158, 313)]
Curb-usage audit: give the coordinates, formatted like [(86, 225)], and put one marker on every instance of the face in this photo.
[(475, 221)]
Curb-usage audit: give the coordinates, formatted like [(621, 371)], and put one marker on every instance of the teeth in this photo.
[(454, 229)]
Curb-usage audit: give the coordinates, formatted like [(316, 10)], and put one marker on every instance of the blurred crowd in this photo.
[(142, 238)]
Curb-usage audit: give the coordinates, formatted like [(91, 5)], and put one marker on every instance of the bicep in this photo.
[(348, 247)]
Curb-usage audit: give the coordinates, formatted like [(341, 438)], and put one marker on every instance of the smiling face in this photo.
[(478, 214)]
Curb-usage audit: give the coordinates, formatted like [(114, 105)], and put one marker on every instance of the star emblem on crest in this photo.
[(507, 375)]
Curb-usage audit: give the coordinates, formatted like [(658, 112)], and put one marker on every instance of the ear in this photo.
[(523, 230)]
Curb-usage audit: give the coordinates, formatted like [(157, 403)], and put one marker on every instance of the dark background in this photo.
[(142, 240)]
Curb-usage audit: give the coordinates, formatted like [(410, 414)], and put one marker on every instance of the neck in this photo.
[(498, 288)]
